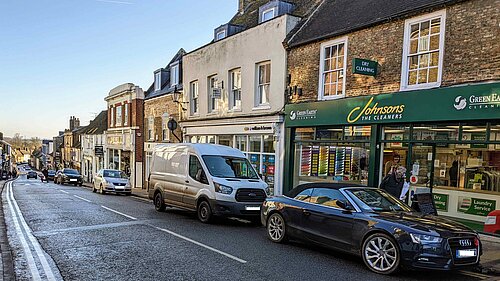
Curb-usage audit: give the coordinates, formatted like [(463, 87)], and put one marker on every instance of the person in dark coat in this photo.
[(454, 174), (393, 182)]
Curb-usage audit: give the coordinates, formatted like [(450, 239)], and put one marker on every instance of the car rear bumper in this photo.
[(236, 209)]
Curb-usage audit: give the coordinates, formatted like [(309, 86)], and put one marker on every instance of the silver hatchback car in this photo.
[(107, 180)]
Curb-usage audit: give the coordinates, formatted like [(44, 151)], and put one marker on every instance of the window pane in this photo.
[(327, 65), (422, 76), (414, 31), (268, 144), (413, 62), (433, 74), (434, 42), (340, 89), (255, 143), (413, 46), (226, 140), (326, 91), (424, 61), (268, 73), (328, 52), (340, 62), (241, 143), (434, 59), (357, 133), (435, 132), (327, 197), (396, 133), (412, 77), (423, 44), (435, 26), (424, 28)]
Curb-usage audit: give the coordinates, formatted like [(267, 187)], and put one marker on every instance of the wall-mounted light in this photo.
[(177, 96)]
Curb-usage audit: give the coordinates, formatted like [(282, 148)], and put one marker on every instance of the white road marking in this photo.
[(63, 191), (200, 244), (39, 252), (114, 211), (81, 198)]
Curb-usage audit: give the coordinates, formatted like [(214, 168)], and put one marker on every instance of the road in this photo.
[(69, 233)]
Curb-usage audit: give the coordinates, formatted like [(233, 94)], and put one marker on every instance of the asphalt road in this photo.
[(87, 236)]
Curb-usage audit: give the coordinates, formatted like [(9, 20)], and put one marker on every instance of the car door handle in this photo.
[(186, 181), (306, 212)]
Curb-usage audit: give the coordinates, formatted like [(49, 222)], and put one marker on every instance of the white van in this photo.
[(213, 180)]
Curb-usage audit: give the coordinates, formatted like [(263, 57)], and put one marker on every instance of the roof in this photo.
[(96, 126), (337, 17), (301, 187), (250, 17), (165, 87)]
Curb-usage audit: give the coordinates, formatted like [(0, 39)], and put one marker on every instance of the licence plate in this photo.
[(466, 253), (252, 208), (72, 180)]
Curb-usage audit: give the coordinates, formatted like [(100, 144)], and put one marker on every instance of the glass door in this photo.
[(421, 170)]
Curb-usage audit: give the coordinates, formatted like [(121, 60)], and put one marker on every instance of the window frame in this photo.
[(321, 90), (125, 114), (112, 121), (232, 97), (119, 116), (213, 102), (151, 130), (165, 136), (258, 97), (223, 32), (194, 101), (406, 46), (157, 82), (174, 74), (273, 10)]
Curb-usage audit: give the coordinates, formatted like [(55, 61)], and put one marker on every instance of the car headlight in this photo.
[(224, 189), (425, 239), (268, 191)]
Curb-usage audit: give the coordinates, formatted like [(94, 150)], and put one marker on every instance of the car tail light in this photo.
[(476, 242)]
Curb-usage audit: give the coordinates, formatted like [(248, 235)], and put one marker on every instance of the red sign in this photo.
[(413, 179), (270, 170)]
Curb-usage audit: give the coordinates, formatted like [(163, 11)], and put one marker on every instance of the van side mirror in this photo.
[(201, 176)]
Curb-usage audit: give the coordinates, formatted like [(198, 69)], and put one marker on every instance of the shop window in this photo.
[(329, 134), (226, 140), (423, 51), (473, 132), (241, 143), (357, 133), (268, 144), (396, 133), (495, 134), (333, 63), (331, 163), (304, 133), (255, 143), (435, 132)]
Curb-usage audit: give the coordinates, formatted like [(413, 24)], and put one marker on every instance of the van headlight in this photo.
[(425, 239), (224, 189)]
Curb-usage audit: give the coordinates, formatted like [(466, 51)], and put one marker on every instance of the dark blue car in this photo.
[(370, 223)]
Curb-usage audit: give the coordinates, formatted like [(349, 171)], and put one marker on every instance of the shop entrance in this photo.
[(421, 164)]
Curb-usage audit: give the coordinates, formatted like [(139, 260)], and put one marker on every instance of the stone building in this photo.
[(94, 146), (163, 103), (390, 83)]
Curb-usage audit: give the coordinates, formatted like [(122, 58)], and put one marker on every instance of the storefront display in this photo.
[(450, 149)]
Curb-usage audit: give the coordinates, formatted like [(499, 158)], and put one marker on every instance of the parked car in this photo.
[(4, 175), (111, 181), (369, 222), (31, 175), (51, 175), (213, 180), (70, 176)]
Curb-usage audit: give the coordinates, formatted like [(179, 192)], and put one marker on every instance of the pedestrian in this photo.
[(14, 174), (393, 182), (454, 174), (45, 173)]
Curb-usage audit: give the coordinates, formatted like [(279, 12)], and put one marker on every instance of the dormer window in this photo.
[(268, 14), (220, 35), (174, 75), (158, 81)]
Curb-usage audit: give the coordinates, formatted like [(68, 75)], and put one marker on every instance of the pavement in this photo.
[(490, 260), (6, 264)]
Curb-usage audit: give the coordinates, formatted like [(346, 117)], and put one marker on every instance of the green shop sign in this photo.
[(364, 67), (472, 102), (475, 206), (441, 201)]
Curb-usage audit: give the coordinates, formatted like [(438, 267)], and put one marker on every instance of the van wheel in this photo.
[(159, 203), (204, 212)]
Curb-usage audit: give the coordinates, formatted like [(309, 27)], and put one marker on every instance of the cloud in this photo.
[(115, 2)]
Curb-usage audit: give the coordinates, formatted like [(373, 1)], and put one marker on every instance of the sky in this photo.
[(60, 58)]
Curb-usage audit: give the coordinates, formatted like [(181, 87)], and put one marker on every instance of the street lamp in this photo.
[(177, 96)]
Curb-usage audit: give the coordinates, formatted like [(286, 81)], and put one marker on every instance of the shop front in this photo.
[(259, 141), (448, 139), (121, 155)]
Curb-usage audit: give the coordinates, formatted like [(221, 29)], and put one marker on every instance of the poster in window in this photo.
[(465, 137)]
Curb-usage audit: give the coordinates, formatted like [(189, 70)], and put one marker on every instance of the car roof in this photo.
[(330, 185)]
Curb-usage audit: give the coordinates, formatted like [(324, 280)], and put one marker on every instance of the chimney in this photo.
[(242, 4)]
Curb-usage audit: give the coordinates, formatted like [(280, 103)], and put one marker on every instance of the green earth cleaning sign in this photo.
[(475, 206), (441, 201), (364, 67)]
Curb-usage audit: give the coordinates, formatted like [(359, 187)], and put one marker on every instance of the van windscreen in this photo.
[(229, 167)]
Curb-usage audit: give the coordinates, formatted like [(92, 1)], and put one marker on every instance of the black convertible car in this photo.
[(369, 222)]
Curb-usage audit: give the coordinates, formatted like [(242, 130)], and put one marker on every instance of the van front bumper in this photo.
[(236, 209)]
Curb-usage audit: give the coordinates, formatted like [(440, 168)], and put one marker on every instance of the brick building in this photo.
[(124, 139), (162, 104), (394, 83)]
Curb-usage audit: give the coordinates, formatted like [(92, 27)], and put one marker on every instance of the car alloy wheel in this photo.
[(381, 254), (276, 228), (102, 190)]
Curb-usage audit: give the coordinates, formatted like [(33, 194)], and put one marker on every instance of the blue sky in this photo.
[(60, 58)]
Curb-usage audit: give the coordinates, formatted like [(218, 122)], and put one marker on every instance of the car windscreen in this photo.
[(114, 174), (229, 167), (71, 172), (376, 200)]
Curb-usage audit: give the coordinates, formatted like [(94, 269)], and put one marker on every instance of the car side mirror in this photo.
[(344, 205)]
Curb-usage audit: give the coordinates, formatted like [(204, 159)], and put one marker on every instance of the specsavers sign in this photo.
[(444, 104)]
